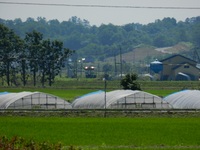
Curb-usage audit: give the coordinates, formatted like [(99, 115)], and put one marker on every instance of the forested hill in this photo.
[(105, 40)]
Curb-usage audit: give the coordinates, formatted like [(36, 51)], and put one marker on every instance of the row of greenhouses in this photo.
[(117, 99)]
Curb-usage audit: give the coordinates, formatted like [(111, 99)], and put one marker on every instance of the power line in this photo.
[(104, 6)]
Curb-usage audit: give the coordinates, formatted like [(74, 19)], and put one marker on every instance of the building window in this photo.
[(186, 66)]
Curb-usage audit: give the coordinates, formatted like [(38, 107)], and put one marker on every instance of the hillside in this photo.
[(147, 53), (176, 49), (104, 41)]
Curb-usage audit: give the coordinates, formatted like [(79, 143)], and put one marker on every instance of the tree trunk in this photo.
[(50, 76), (34, 76), (8, 72), (23, 73)]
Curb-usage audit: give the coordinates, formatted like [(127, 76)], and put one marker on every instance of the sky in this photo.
[(101, 15)]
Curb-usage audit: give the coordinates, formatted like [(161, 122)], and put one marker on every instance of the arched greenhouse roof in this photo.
[(2, 93), (119, 99), (186, 99), (32, 100)]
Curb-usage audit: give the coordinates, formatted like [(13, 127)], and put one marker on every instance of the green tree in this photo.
[(33, 44), (10, 45), (196, 35), (43, 58), (130, 82), (91, 40), (58, 57), (52, 57), (23, 63)]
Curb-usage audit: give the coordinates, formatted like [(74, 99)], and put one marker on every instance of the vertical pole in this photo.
[(46, 102), (55, 102), (31, 102), (82, 61), (76, 69), (120, 61), (81, 67), (125, 103), (105, 86), (22, 102), (115, 62), (98, 69), (39, 101)]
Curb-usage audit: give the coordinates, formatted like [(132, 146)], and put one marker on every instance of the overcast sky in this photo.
[(101, 15)]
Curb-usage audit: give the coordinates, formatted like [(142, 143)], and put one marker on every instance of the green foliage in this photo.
[(196, 35), (20, 143), (100, 42), (33, 44), (33, 55), (44, 37), (130, 82), (16, 143), (10, 46)]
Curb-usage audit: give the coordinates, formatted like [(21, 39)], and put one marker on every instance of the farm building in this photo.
[(31, 100), (119, 99), (186, 99), (178, 67)]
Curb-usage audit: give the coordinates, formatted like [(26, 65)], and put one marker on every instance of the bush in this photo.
[(16, 143), (130, 82)]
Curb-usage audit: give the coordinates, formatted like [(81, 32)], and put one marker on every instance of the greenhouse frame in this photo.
[(120, 99), (32, 100)]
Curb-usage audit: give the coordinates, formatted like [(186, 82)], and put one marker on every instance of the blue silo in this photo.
[(156, 66)]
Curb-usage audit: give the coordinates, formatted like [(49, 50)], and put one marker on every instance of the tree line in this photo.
[(103, 41), (30, 59)]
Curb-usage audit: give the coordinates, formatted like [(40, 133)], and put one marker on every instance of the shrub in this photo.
[(16, 143), (130, 82)]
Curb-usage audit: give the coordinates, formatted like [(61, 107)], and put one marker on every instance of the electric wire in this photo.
[(104, 6)]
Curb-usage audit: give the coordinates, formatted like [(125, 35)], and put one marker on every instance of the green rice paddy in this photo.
[(116, 133), (160, 132)]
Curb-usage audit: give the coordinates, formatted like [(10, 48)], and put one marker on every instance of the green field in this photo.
[(107, 133), (141, 132)]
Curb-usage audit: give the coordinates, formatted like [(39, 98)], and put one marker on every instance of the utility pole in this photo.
[(120, 53), (115, 61), (105, 87), (119, 63)]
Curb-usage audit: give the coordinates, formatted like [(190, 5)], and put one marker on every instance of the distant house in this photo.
[(178, 67)]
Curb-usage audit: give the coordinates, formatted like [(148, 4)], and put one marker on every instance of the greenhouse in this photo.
[(32, 100), (120, 99), (186, 99)]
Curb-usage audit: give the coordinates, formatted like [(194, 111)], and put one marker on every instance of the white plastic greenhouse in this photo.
[(186, 99), (32, 100), (119, 99)]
